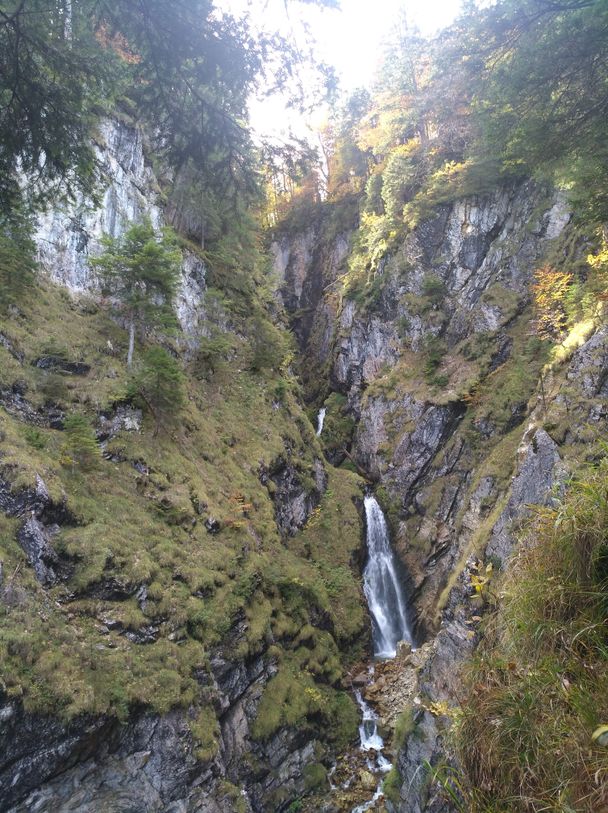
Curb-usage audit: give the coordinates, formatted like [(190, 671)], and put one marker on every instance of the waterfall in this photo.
[(387, 607), (382, 588), (368, 730), (321, 420)]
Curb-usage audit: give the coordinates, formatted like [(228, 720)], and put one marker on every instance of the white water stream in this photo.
[(382, 587), (321, 420), (387, 606)]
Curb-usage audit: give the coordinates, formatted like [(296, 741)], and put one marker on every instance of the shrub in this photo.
[(206, 731), (433, 353), (34, 437), (404, 726), (391, 787), (268, 343), (212, 352)]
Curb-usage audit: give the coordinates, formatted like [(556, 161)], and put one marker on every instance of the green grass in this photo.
[(539, 685), (132, 529)]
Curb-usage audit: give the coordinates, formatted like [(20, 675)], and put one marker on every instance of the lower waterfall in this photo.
[(382, 588), (390, 625)]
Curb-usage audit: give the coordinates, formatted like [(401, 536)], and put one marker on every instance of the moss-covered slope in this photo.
[(166, 541)]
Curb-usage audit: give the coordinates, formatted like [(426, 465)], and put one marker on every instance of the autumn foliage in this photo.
[(549, 292)]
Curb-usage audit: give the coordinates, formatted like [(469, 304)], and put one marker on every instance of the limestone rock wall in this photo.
[(461, 447), (68, 234)]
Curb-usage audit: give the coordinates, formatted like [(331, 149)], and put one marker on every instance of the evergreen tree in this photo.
[(184, 68), (80, 448), (140, 271), (537, 71), (17, 256), (159, 384)]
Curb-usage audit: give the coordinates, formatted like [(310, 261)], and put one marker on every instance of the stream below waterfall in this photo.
[(390, 624)]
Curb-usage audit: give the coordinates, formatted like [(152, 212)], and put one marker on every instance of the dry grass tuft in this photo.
[(539, 686)]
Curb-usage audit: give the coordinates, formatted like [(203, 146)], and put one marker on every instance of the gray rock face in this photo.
[(588, 369), (149, 765), (36, 541), (294, 502), (68, 235), (38, 529), (307, 270), (539, 471), (364, 350), (462, 277), (421, 429), (540, 474)]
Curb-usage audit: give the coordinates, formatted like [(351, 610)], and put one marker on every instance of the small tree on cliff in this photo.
[(159, 386), (140, 271)]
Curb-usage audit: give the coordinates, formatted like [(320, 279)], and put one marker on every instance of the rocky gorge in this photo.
[(435, 395), (432, 390)]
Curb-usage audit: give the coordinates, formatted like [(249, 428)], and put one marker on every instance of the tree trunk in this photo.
[(131, 342)]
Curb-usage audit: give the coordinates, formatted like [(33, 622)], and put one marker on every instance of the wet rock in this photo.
[(36, 541), (404, 650), (62, 365), (367, 780), (213, 525)]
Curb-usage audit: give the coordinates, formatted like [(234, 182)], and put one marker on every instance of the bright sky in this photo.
[(349, 39)]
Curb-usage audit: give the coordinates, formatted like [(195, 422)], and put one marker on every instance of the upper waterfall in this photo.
[(383, 590), (321, 420)]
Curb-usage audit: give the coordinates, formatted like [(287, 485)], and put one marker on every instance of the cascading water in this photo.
[(321, 420), (369, 736), (382, 588), (388, 610)]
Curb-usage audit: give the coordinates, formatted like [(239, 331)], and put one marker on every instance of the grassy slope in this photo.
[(538, 687), (146, 529)]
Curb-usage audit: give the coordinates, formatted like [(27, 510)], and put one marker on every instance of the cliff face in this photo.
[(170, 635), (426, 369), (439, 395), (67, 235)]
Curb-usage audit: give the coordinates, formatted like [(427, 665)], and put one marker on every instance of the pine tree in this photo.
[(17, 256), (159, 384), (80, 448), (140, 271)]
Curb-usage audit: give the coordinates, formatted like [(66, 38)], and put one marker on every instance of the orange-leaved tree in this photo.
[(550, 292)]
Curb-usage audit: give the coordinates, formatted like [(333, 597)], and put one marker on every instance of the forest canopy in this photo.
[(183, 67), (513, 89)]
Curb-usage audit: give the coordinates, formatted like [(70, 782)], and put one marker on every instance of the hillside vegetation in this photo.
[(167, 507)]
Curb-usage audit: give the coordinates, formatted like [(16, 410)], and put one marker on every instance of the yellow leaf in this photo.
[(600, 735)]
